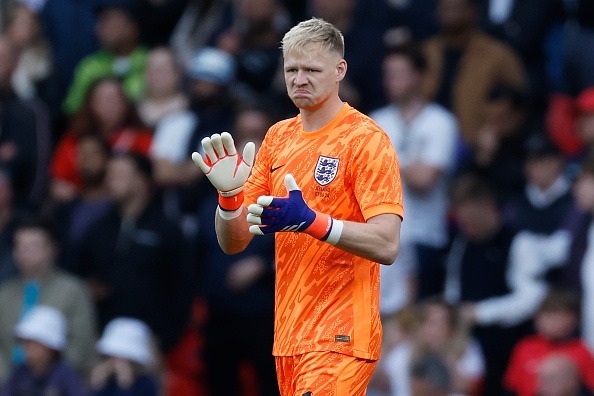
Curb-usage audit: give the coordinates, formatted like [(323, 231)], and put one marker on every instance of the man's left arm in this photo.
[(376, 240)]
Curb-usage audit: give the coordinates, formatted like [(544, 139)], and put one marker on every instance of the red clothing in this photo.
[(64, 161), (521, 374)]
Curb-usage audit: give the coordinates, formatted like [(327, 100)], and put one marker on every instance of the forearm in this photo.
[(420, 177), (233, 234), (375, 241)]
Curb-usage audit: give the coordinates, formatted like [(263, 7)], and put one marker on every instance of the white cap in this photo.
[(45, 325), (127, 338), (212, 64)]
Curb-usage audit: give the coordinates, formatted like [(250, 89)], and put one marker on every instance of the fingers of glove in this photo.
[(197, 158), (256, 230), (254, 219), (249, 152), (265, 200), (255, 209), (290, 183), (217, 145), (228, 143), (209, 150)]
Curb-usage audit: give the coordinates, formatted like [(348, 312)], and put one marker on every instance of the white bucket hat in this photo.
[(45, 325), (127, 338)]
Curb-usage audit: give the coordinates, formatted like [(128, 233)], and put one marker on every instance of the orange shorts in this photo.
[(323, 374)]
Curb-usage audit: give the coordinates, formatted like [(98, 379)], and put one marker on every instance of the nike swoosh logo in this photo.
[(275, 168)]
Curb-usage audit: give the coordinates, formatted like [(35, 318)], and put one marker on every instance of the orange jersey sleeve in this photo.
[(328, 299)]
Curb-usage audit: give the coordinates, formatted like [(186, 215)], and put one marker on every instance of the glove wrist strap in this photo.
[(325, 228), (230, 204)]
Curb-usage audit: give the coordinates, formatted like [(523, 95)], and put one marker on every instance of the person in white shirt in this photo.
[(424, 135)]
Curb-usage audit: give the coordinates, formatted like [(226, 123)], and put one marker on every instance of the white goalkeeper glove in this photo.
[(225, 169)]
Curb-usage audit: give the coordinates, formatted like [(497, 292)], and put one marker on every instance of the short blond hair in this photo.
[(313, 31)]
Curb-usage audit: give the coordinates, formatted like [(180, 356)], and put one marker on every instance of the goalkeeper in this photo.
[(327, 185)]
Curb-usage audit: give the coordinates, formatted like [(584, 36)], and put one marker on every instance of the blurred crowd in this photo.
[(111, 279)]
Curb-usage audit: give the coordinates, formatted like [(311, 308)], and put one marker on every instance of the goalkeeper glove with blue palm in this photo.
[(291, 213)]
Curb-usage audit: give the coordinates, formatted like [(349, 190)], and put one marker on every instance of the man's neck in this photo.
[(124, 50), (94, 193), (315, 119), (458, 39), (410, 107)]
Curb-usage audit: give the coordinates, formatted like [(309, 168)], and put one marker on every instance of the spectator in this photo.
[(253, 38), (36, 79), (127, 357), (24, 134), (465, 64), (165, 109), (211, 73), (424, 135), (68, 48), (441, 332), (499, 150), (525, 25), (556, 323), (107, 113), (72, 218), (133, 257), (430, 376), (43, 331), (40, 282), (558, 376), (546, 201), (121, 54), (35, 75), (399, 332), (493, 272), (578, 250)]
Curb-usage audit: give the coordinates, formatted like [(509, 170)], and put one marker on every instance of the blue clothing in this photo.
[(62, 380), (144, 386)]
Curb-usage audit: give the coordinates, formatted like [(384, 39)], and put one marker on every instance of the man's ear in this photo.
[(341, 69)]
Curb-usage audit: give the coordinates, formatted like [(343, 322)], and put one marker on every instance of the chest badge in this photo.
[(326, 170)]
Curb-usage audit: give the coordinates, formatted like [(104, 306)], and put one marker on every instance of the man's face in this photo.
[(109, 105), (122, 179), (115, 27), (543, 171), (556, 325), (33, 251), (401, 80), (312, 77), (475, 219), (161, 75), (455, 15)]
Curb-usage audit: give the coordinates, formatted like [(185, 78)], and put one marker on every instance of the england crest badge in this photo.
[(326, 169)]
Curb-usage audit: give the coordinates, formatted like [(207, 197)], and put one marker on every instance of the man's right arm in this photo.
[(232, 232)]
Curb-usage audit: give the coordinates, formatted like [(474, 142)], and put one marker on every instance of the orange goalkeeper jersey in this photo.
[(328, 299)]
